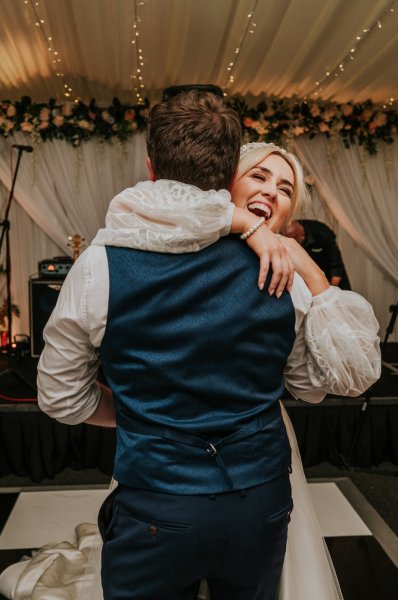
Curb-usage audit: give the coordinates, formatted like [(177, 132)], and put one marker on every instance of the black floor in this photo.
[(364, 570)]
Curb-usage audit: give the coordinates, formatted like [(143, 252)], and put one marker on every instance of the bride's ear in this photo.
[(151, 173)]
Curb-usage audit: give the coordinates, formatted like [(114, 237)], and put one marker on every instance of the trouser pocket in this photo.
[(282, 515), (106, 514)]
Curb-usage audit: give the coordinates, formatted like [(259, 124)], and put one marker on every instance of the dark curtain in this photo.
[(32, 444)]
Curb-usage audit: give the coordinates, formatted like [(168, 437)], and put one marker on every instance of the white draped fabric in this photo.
[(359, 192), (62, 191)]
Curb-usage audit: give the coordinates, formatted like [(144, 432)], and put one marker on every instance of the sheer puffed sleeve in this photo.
[(337, 349), (344, 348), (166, 216)]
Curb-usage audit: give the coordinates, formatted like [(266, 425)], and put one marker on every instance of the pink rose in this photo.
[(6, 125), (329, 114), (129, 115), (347, 109), (247, 122), (85, 124), (260, 127), (44, 114), (58, 120), (323, 127), (26, 127), (315, 110), (11, 110), (380, 119), (107, 117), (298, 130), (91, 115), (44, 125)]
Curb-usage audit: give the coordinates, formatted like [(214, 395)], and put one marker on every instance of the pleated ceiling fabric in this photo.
[(193, 41)]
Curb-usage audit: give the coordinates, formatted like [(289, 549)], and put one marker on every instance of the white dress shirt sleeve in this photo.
[(67, 371)]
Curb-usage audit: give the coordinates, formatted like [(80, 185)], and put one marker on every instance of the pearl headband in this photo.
[(253, 145)]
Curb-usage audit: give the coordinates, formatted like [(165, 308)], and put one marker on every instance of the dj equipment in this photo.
[(43, 296), (55, 268)]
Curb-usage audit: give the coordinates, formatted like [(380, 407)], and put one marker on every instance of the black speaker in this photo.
[(43, 296)]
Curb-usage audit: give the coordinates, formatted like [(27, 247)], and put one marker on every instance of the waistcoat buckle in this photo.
[(212, 450)]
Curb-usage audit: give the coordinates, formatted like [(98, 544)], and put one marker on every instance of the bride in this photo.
[(336, 351)]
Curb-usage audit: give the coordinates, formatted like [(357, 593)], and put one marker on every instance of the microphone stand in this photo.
[(5, 235)]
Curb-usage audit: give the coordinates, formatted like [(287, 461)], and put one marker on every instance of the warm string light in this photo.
[(350, 55), (138, 77), (388, 102), (54, 55), (249, 29)]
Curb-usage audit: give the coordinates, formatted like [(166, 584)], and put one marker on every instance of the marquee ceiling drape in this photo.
[(293, 44)]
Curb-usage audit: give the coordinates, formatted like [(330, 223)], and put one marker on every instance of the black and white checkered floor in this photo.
[(364, 550)]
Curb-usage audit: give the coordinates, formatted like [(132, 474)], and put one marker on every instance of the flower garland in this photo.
[(274, 119), (73, 122), (279, 120)]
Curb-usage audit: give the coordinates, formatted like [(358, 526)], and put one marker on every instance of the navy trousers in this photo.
[(160, 546)]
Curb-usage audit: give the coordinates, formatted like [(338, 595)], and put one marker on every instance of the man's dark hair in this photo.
[(194, 138)]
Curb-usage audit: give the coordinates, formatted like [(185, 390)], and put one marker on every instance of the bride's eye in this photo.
[(258, 176), (286, 191)]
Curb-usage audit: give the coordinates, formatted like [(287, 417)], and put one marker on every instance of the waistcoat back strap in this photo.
[(254, 426)]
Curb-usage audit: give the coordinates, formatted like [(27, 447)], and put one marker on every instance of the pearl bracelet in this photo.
[(250, 231)]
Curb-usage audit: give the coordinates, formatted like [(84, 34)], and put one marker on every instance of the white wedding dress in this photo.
[(340, 332)]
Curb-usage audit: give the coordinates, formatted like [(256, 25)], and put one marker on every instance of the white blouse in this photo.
[(336, 349)]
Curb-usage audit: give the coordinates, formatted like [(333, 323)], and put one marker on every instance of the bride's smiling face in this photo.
[(267, 190)]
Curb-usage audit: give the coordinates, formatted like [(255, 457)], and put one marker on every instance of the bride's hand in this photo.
[(313, 276), (269, 249)]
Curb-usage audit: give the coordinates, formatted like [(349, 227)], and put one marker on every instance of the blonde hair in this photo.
[(251, 157)]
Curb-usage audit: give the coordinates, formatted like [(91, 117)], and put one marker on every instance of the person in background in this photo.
[(320, 243)]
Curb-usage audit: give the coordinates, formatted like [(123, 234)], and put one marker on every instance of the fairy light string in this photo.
[(249, 29), (137, 76), (349, 57), (54, 55)]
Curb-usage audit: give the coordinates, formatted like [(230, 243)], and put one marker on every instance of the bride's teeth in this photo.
[(260, 209)]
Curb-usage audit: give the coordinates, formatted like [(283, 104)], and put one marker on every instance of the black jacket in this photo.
[(320, 243)]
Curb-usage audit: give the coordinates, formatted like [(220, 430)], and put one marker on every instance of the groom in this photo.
[(194, 358)]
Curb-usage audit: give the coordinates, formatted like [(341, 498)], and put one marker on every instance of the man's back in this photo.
[(200, 350)]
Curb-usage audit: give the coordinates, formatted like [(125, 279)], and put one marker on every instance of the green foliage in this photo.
[(273, 119)]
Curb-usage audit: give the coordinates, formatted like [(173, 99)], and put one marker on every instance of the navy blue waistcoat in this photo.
[(193, 348)]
